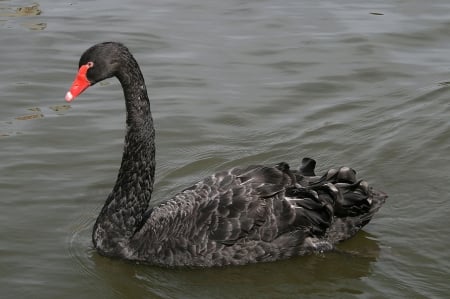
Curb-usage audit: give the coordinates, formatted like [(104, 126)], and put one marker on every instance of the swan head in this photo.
[(97, 63)]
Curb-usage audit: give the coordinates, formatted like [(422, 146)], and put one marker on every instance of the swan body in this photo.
[(239, 216)]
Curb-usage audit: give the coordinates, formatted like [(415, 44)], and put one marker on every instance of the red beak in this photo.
[(80, 83)]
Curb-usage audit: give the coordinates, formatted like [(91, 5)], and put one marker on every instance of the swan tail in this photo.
[(336, 204)]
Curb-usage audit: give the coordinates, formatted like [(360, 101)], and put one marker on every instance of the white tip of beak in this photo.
[(69, 96)]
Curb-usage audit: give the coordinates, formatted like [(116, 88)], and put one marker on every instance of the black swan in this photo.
[(234, 217)]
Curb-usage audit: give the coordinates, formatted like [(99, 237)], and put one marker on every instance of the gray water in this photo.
[(231, 83)]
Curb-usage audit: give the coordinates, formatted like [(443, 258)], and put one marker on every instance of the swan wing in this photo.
[(258, 213)]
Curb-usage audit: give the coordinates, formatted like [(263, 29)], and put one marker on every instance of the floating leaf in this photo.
[(33, 10), (58, 108), (30, 116), (35, 26)]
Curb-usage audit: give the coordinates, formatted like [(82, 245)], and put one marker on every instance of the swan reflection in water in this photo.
[(340, 270)]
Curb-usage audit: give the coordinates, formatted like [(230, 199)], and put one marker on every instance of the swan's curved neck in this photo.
[(124, 209)]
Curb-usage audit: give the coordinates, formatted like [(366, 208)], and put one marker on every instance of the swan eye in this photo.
[(90, 64)]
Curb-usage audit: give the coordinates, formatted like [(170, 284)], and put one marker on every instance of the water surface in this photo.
[(231, 83)]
